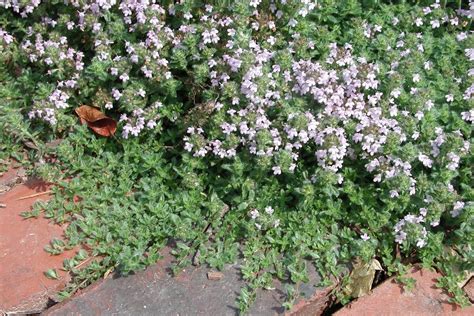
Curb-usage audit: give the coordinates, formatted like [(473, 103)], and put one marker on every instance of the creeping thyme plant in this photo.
[(267, 132)]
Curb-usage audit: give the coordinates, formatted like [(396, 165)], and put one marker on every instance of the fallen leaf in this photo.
[(30, 145), (362, 277), (54, 143), (106, 274), (96, 120), (375, 265)]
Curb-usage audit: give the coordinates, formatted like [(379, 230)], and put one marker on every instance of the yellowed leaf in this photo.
[(361, 278)]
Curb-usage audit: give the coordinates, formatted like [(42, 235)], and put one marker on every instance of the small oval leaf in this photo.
[(51, 274)]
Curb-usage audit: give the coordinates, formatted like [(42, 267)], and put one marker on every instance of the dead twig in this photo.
[(84, 262), (34, 195)]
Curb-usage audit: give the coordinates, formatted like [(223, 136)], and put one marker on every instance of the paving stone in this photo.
[(315, 305), (389, 298), (155, 292), (23, 286), (469, 289), (9, 177)]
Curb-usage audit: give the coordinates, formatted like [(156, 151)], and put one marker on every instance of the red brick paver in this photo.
[(23, 286), (314, 306), (389, 298)]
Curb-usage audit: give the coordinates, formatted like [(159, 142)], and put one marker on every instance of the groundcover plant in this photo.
[(272, 133)]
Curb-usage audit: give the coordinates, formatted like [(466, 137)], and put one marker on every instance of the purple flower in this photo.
[(269, 210), (276, 170), (254, 213), (116, 94)]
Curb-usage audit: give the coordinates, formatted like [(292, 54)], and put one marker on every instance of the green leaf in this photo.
[(51, 274)]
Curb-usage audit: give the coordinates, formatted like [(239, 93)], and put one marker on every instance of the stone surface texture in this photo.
[(155, 292), (23, 286), (469, 289)]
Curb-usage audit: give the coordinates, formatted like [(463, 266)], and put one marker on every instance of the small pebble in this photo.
[(4, 188), (214, 275), (21, 173), (2, 205)]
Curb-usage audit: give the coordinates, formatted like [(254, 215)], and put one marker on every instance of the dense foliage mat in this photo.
[(273, 132)]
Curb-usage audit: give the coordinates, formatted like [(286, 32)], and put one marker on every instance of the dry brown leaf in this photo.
[(106, 274), (362, 277), (96, 120)]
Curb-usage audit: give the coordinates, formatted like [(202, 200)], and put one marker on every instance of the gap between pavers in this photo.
[(155, 291), (23, 286)]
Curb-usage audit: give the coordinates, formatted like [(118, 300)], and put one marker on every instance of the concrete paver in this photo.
[(155, 292)]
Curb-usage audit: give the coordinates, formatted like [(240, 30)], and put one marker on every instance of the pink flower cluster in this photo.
[(139, 120), (22, 7), (5, 37), (344, 87), (47, 109), (412, 223)]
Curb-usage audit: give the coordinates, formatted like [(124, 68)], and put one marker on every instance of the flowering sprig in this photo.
[(264, 220)]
